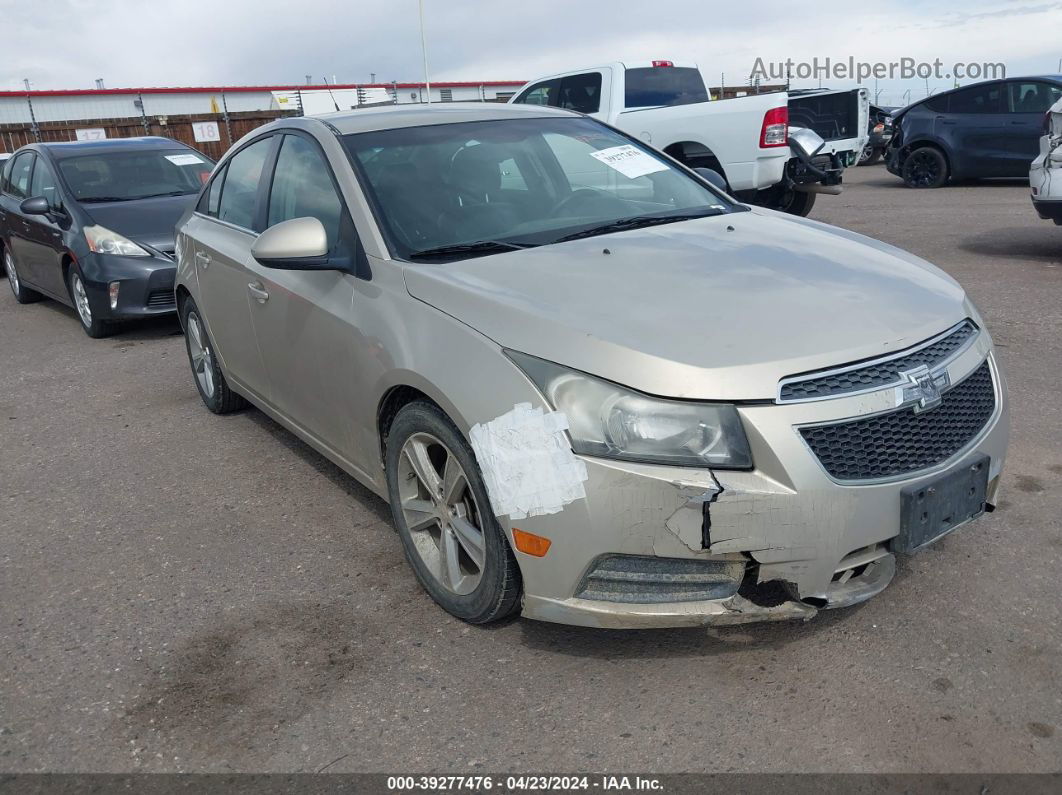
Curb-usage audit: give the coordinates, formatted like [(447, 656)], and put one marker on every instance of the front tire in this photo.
[(22, 293), (925, 167), (91, 324), (440, 507), (209, 380)]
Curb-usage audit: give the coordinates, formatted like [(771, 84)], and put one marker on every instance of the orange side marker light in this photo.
[(530, 544)]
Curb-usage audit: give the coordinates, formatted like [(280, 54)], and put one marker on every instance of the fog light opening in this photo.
[(112, 291), (530, 544)]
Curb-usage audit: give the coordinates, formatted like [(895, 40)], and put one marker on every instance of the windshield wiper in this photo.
[(106, 199), (635, 222), (473, 249), (167, 193)]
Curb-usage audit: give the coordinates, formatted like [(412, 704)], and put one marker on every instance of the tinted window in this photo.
[(240, 191), (19, 181), (44, 183), (302, 187), (209, 203), (547, 93), (581, 92), (125, 176), (976, 99), (663, 85), (1031, 97)]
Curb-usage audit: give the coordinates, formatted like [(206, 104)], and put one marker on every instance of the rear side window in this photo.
[(19, 182), (581, 93), (302, 187), (976, 99), (1031, 97), (240, 189), (545, 93), (663, 85)]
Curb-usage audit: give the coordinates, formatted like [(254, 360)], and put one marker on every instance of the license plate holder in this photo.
[(935, 508)]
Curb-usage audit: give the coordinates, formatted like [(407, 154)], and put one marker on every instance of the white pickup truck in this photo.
[(745, 139)]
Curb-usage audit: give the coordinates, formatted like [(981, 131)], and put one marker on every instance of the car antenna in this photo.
[(333, 96)]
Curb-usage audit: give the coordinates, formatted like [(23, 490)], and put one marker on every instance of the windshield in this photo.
[(124, 176), (663, 85), (518, 183)]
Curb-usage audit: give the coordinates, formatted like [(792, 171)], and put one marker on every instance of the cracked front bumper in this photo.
[(787, 523)]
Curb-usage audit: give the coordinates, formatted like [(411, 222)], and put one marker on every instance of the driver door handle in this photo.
[(260, 295), (202, 259)]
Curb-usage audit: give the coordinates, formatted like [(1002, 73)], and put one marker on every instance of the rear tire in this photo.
[(22, 293), (91, 324), (790, 201), (925, 167), (449, 533), (209, 380), (869, 156)]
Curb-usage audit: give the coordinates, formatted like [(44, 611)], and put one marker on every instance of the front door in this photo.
[(303, 318)]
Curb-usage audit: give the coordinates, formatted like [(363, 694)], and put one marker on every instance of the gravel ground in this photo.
[(187, 592)]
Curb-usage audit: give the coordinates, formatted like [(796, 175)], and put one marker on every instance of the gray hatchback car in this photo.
[(592, 387)]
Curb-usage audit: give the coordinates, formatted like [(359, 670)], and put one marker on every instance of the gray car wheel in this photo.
[(92, 325), (22, 293), (440, 507)]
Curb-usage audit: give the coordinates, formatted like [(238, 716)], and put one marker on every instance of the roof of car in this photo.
[(395, 116), (72, 148)]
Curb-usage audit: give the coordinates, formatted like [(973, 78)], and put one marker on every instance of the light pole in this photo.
[(424, 51)]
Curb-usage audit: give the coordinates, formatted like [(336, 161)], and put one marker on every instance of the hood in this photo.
[(713, 308), (148, 221)]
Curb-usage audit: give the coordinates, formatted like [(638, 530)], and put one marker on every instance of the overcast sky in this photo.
[(69, 43)]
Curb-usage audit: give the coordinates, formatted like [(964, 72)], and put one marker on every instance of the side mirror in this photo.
[(296, 244), (712, 177), (37, 205)]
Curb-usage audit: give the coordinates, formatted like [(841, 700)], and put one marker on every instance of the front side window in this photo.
[(1032, 97), (44, 184), (518, 183), (132, 175), (18, 184), (976, 99), (663, 85), (302, 187), (239, 191)]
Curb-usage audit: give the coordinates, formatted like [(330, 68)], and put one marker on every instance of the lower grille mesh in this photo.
[(159, 299), (903, 442)]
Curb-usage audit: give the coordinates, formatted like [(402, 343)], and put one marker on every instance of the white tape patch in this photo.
[(527, 462)]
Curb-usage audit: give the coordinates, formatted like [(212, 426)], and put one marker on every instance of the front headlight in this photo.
[(102, 240), (610, 421)]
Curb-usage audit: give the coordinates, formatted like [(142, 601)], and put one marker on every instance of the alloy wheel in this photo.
[(77, 287), (924, 168), (441, 513), (201, 355), (12, 275)]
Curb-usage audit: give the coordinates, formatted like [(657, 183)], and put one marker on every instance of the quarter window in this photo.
[(209, 203), (240, 190), (302, 187), (19, 181)]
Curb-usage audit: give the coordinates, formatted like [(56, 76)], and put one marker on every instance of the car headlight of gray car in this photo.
[(610, 421)]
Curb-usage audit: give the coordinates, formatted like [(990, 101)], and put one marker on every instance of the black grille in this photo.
[(161, 299), (878, 374), (903, 442)]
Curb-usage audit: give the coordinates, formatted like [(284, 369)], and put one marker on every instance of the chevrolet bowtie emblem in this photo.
[(922, 388)]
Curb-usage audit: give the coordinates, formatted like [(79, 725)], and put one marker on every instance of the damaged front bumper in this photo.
[(657, 546)]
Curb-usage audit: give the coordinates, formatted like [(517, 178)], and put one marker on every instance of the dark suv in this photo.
[(91, 224), (989, 129)]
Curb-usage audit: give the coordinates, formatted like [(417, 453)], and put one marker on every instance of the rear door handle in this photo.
[(260, 295), (202, 259)]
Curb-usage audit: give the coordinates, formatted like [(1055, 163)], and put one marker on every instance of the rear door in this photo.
[(17, 227), (304, 319), (222, 231), (1026, 102)]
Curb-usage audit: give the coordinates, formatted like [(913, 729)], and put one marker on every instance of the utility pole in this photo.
[(424, 51), (372, 77)]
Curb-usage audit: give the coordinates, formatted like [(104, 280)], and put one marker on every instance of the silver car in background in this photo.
[(593, 388)]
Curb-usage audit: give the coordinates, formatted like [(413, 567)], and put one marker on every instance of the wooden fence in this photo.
[(12, 136)]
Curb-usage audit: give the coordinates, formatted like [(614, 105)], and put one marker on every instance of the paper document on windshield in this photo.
[(184, 160), (629, 161)]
